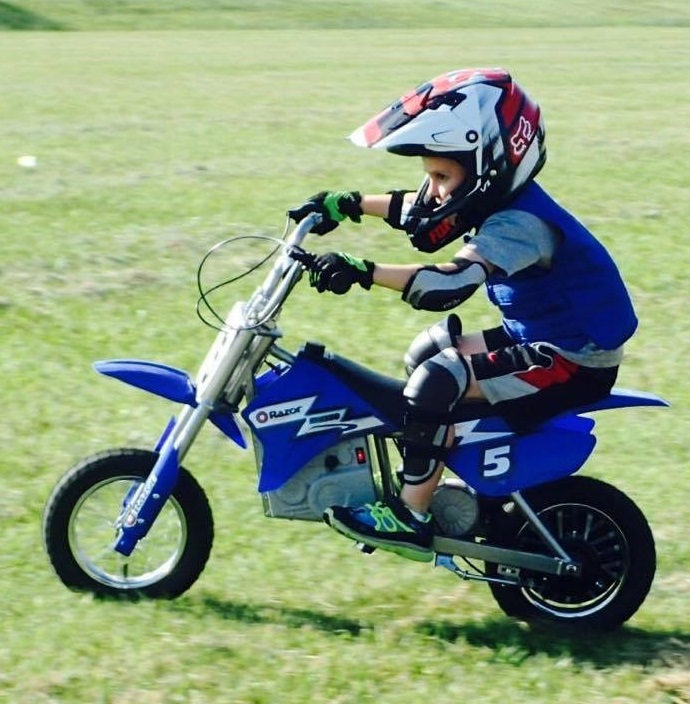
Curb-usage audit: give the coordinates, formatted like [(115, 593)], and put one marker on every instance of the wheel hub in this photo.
[(592, 540)]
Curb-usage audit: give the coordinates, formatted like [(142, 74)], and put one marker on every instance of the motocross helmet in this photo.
[(480, 118)]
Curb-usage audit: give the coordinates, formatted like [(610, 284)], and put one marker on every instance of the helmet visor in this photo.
[(393, 117), (444, 89), (427, 96)]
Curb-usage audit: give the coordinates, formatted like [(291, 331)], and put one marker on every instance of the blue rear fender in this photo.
[(167, 382), (496, 461)]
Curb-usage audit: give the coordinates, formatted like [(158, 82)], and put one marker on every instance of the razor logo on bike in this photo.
[(298, 410), (279, 413)]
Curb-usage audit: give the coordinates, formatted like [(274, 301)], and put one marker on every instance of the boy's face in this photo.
[(445, 175)]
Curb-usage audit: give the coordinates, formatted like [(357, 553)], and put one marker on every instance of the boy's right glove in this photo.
[(333, 206), (337, 271)]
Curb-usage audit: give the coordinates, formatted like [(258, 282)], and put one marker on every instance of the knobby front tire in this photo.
[(79, 532)]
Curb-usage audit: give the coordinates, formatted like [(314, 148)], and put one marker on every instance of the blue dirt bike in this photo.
[(135, 522)]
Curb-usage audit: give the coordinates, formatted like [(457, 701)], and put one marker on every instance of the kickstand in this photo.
[(448, 563), (364, 548)]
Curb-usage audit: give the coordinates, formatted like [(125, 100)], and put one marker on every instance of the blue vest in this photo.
[(580, 299)]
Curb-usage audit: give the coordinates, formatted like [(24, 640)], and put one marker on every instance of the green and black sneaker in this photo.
[(389, 526)]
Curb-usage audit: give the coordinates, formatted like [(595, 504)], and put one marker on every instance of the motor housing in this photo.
[(455, 508), (340, 476)]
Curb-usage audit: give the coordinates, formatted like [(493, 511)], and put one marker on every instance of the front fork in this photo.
[(143, 504), (232, 363), (227, 372)]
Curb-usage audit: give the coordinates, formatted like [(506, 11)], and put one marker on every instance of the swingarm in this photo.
[(510, 562)]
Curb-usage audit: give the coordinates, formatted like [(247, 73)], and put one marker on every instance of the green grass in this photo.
[(153, 146), (346, 14)]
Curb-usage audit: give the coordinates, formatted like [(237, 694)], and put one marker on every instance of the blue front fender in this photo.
[(167, 382)]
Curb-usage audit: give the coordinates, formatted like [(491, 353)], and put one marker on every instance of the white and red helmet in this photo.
[(479, 117)]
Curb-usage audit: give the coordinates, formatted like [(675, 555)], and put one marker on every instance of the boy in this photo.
[(565, 310)]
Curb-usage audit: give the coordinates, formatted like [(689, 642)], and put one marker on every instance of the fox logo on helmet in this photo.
[(441, 231)]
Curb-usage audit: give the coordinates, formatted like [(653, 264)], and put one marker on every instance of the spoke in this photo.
[(604, 538), (93, 533), (106, 552), (612, 569), (594, 540), (560, 529), (589, 522)]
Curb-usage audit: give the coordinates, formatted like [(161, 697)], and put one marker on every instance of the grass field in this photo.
[(347, 14), (152, 146)]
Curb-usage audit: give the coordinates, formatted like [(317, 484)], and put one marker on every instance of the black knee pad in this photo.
[(438, 383), (434, 387), (431, 341)]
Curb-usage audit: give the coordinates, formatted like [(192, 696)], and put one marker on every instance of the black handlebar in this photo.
[(339, 283)]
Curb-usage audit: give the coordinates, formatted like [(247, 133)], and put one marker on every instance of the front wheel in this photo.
[(79, 529), (599, 527)]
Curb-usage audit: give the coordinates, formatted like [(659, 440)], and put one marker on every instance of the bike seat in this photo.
[(385, 392)]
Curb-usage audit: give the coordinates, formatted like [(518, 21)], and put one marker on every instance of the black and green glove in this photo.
[(337, 271), (333, 206)]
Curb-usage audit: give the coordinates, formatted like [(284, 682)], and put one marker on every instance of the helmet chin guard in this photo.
[(478, 117)]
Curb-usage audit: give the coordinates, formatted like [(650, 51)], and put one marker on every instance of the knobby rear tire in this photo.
[(597, 525)]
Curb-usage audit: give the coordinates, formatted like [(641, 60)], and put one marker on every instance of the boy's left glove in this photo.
[(337, 271), (333, 206)]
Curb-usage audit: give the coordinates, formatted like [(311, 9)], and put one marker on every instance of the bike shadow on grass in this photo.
[(511, 641), (507, 640), (275, 614)]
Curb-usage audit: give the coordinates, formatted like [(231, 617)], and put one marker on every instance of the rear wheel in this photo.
[(599, 527), (79, 529)]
